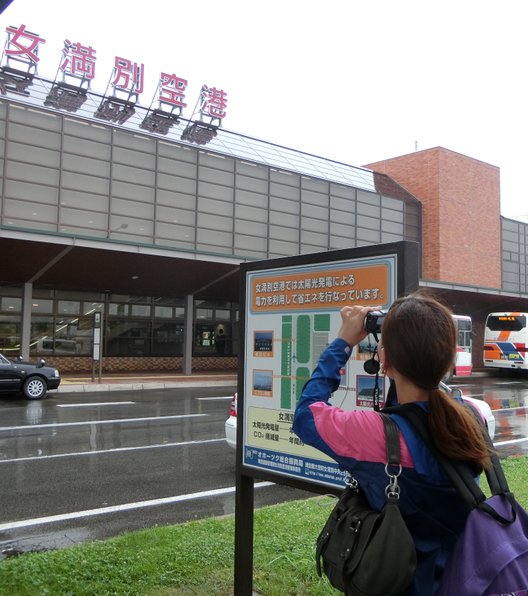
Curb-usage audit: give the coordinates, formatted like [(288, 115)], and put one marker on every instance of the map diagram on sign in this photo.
[(295, 352), (292, 316)]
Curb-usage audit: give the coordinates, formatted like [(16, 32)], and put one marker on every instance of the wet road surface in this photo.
[(508, 399), (77, 467)]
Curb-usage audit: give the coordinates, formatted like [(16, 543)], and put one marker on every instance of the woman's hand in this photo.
[(353, 323)]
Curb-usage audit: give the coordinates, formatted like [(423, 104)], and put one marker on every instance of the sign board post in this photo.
[(289, 314), (97, 353)]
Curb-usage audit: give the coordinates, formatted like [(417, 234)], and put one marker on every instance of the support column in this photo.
[(188, 335), (27, 299)]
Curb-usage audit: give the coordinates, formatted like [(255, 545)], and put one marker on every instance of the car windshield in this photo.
[(4, 360)]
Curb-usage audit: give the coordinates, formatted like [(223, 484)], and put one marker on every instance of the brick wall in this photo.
[(141, 364), (461, 213)]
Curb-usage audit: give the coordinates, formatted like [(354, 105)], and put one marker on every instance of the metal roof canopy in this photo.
[(71, 264), (226, 143), (476, 301), (116, 268)]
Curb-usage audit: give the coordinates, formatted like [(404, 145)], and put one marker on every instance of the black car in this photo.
[(28, 378)]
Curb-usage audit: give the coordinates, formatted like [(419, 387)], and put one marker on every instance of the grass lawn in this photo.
[(196, 558)]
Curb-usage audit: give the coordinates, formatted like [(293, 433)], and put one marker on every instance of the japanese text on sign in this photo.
[(78, 62), (327, 289)]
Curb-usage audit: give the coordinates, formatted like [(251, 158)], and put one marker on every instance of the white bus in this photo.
[(505, 340), (464, 358)]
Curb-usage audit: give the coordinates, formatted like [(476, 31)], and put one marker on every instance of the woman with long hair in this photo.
[(417, 349)]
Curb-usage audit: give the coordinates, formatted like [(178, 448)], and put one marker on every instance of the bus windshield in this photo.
[(506, 322)]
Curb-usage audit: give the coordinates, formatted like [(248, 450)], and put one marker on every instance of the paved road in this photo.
[(86, 466), (83, 466), (508, 398)]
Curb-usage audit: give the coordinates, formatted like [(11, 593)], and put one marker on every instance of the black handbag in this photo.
[(366, 552)]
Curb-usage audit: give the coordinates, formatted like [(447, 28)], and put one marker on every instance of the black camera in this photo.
[(374, 321)]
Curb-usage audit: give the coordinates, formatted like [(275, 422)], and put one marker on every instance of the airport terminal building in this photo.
[(109, 207)]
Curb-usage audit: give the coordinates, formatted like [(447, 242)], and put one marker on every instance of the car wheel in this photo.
[(34, 388)]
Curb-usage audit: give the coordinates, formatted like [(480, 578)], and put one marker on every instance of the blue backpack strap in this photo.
[(457, 471), (495, 475)]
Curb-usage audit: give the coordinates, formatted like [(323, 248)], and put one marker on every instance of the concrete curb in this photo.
[(68, 386), (138, 386)]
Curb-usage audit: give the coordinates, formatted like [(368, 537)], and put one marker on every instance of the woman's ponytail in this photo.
[(419, 337), (455, 431)]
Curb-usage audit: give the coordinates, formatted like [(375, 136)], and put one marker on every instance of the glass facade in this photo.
[(225, 143), (70, 175), (10, 320), (514, 256), (133, 326), (66, 176)]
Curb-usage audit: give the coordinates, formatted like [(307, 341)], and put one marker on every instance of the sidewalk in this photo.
[(78, 383), (74, 383)]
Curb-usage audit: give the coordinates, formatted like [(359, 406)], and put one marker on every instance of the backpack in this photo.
[(491, 555)]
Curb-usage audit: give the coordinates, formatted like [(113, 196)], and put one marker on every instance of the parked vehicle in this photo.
[(31, 379), (506, 341), (231, 423), (480, 405), (464, 361)]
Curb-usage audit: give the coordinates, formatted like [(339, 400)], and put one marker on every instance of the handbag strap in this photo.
[(392, 439), (458, 472), (392, 443)]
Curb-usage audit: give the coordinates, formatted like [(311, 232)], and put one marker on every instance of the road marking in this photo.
[(102, 403), (512, 442), (115, 450), (125, 507), (222, 398), (89, 422)]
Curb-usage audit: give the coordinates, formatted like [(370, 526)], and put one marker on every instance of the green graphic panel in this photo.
[(303, 339), (286, 358), (322, 322), (286, 393), (302, 374)]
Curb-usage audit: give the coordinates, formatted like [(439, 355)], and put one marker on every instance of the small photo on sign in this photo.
[(263, 344), (365, 390), (365, 348), (262, 383)]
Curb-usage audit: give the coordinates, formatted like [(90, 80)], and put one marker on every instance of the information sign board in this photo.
[(291, 313)]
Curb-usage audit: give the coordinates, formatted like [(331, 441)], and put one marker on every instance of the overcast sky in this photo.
[(355, 81)]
